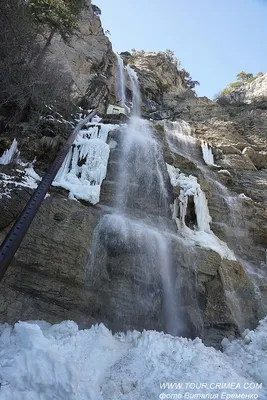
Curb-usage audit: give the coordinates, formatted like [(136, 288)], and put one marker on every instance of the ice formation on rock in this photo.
[(85, 166), (9, 154), (207, 153), (202, 235)]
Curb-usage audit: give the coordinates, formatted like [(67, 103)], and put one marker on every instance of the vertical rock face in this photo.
[(87, 59)]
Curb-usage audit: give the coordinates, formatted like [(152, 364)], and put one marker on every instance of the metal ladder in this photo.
[(15, 236)]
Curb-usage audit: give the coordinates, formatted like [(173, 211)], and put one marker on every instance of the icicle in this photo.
[(64, 169), (207, 153), (183, 208), (9, 154), (202, 211)]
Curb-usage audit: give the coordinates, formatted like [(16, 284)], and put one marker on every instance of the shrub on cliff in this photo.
[(188, 81), (96, 10), (242, 78)]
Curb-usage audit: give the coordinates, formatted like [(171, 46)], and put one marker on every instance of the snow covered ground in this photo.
[(45, 362)]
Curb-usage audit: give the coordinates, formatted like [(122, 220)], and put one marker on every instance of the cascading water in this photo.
[(181, 141), (120, 81), (134, 231), (142, 181), (136, 100)]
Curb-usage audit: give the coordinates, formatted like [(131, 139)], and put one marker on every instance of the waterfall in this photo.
[(149, 269), (120, 81), (134, 236), (181, 141), (136, 97), (142, 170)]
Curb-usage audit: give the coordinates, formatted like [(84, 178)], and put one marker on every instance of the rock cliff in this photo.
[(162, 83), (87, 59)]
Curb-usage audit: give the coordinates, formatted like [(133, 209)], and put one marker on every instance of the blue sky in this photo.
[(214, 40)]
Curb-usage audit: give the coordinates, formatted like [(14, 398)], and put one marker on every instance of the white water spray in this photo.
[(142, 180)]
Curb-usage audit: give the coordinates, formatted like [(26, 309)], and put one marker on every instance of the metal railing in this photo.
[(14, 238)]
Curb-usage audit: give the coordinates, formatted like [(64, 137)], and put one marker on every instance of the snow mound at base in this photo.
[(249, 353), (44, 362)]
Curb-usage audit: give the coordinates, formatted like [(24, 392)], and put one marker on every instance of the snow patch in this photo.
[(224, 172), (243, 196), (30, 179)]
